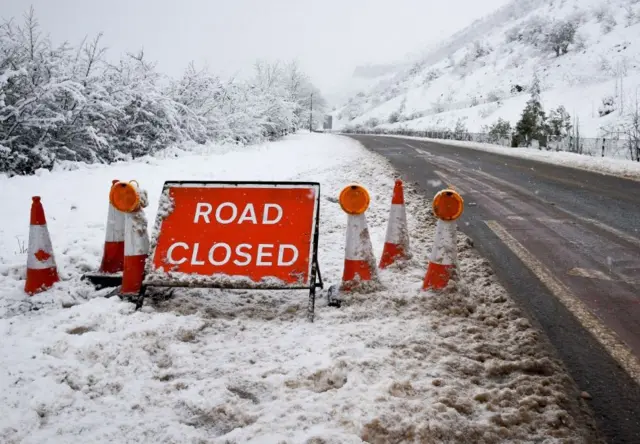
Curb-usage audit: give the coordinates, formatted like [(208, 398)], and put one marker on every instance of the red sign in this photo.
[(256, 235)]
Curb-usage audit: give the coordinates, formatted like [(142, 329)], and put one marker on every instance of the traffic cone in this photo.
[(136, 245), (396, 245), (443, 261), (113, 253), (41, 265), (359, 262)]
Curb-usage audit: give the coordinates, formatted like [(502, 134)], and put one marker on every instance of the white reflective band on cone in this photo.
[(356, 248), (444, 246), (115, 225), (39, 240), (136, 238), (396, 229)]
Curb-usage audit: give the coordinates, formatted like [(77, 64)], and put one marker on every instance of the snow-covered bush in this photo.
[(534, 30), (499, 130), (559, 123), (394, 117), (560, 35), (65, 103), (432, 75), (460, 131), (372, 122), (607, 106), (513, 34)]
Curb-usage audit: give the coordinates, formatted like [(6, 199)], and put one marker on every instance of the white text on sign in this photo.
[(243, 254)]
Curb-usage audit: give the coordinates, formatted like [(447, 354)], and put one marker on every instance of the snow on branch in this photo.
[(67, 103)]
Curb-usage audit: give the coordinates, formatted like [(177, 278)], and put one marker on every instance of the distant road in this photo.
[(566, 244)]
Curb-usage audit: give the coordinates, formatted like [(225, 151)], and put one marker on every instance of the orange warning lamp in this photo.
[(354, 199), (448, 205), (124, 197)]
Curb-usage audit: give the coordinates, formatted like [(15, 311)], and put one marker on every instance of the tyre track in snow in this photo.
[(566, 244)]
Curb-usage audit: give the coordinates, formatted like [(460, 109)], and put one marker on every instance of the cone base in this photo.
[(437, 276), (113, 258), (355, 273), (39, 280), (133, 274), (391, 253)]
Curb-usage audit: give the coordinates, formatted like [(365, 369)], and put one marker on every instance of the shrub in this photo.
[(501, 129), (607, 106), (560, 35)]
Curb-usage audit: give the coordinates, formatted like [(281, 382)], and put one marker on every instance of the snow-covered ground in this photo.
[(605, 165), (398, 365)]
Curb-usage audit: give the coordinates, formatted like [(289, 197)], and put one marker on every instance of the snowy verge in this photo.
[(244, 366), (604, 165)]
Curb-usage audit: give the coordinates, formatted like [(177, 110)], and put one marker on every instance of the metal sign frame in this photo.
[(315, 277)]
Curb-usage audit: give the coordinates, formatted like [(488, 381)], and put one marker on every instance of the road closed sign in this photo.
[(235, 235)]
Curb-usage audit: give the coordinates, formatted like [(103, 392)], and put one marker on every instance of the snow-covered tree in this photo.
[(559, 123), (560, 35), (68, 103), (533, 122), (607, 106)]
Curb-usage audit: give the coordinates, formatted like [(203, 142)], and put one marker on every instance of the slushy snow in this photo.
[(245, 366)]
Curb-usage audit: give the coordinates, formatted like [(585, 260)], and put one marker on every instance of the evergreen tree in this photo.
[(533, 122)]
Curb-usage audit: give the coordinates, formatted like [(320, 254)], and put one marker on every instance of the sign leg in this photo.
[(312, 303), (141, 295)]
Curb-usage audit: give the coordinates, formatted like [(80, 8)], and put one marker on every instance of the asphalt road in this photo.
[(566, 244)]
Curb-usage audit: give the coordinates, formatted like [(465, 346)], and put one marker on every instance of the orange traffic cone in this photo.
[(359, 262), (447, 206), (41, 266), (443, 258), (113, 254), (396, 245), (128, 198)]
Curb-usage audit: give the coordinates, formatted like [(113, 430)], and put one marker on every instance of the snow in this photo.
[(579, 80), (605, 165), (244, 366)]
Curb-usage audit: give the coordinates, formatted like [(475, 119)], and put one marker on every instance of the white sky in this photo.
[(329, 37)]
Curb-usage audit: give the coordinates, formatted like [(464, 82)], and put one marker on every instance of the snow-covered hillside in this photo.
[(483, 72)]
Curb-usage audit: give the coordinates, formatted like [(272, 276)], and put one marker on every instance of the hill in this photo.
[(586, 54)]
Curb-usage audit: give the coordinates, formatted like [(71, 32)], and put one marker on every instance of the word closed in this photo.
[(255, 231)]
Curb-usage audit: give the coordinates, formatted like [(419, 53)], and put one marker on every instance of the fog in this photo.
[(329, 38)]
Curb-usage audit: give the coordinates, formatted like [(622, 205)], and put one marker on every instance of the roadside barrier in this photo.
[(127, 245)]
